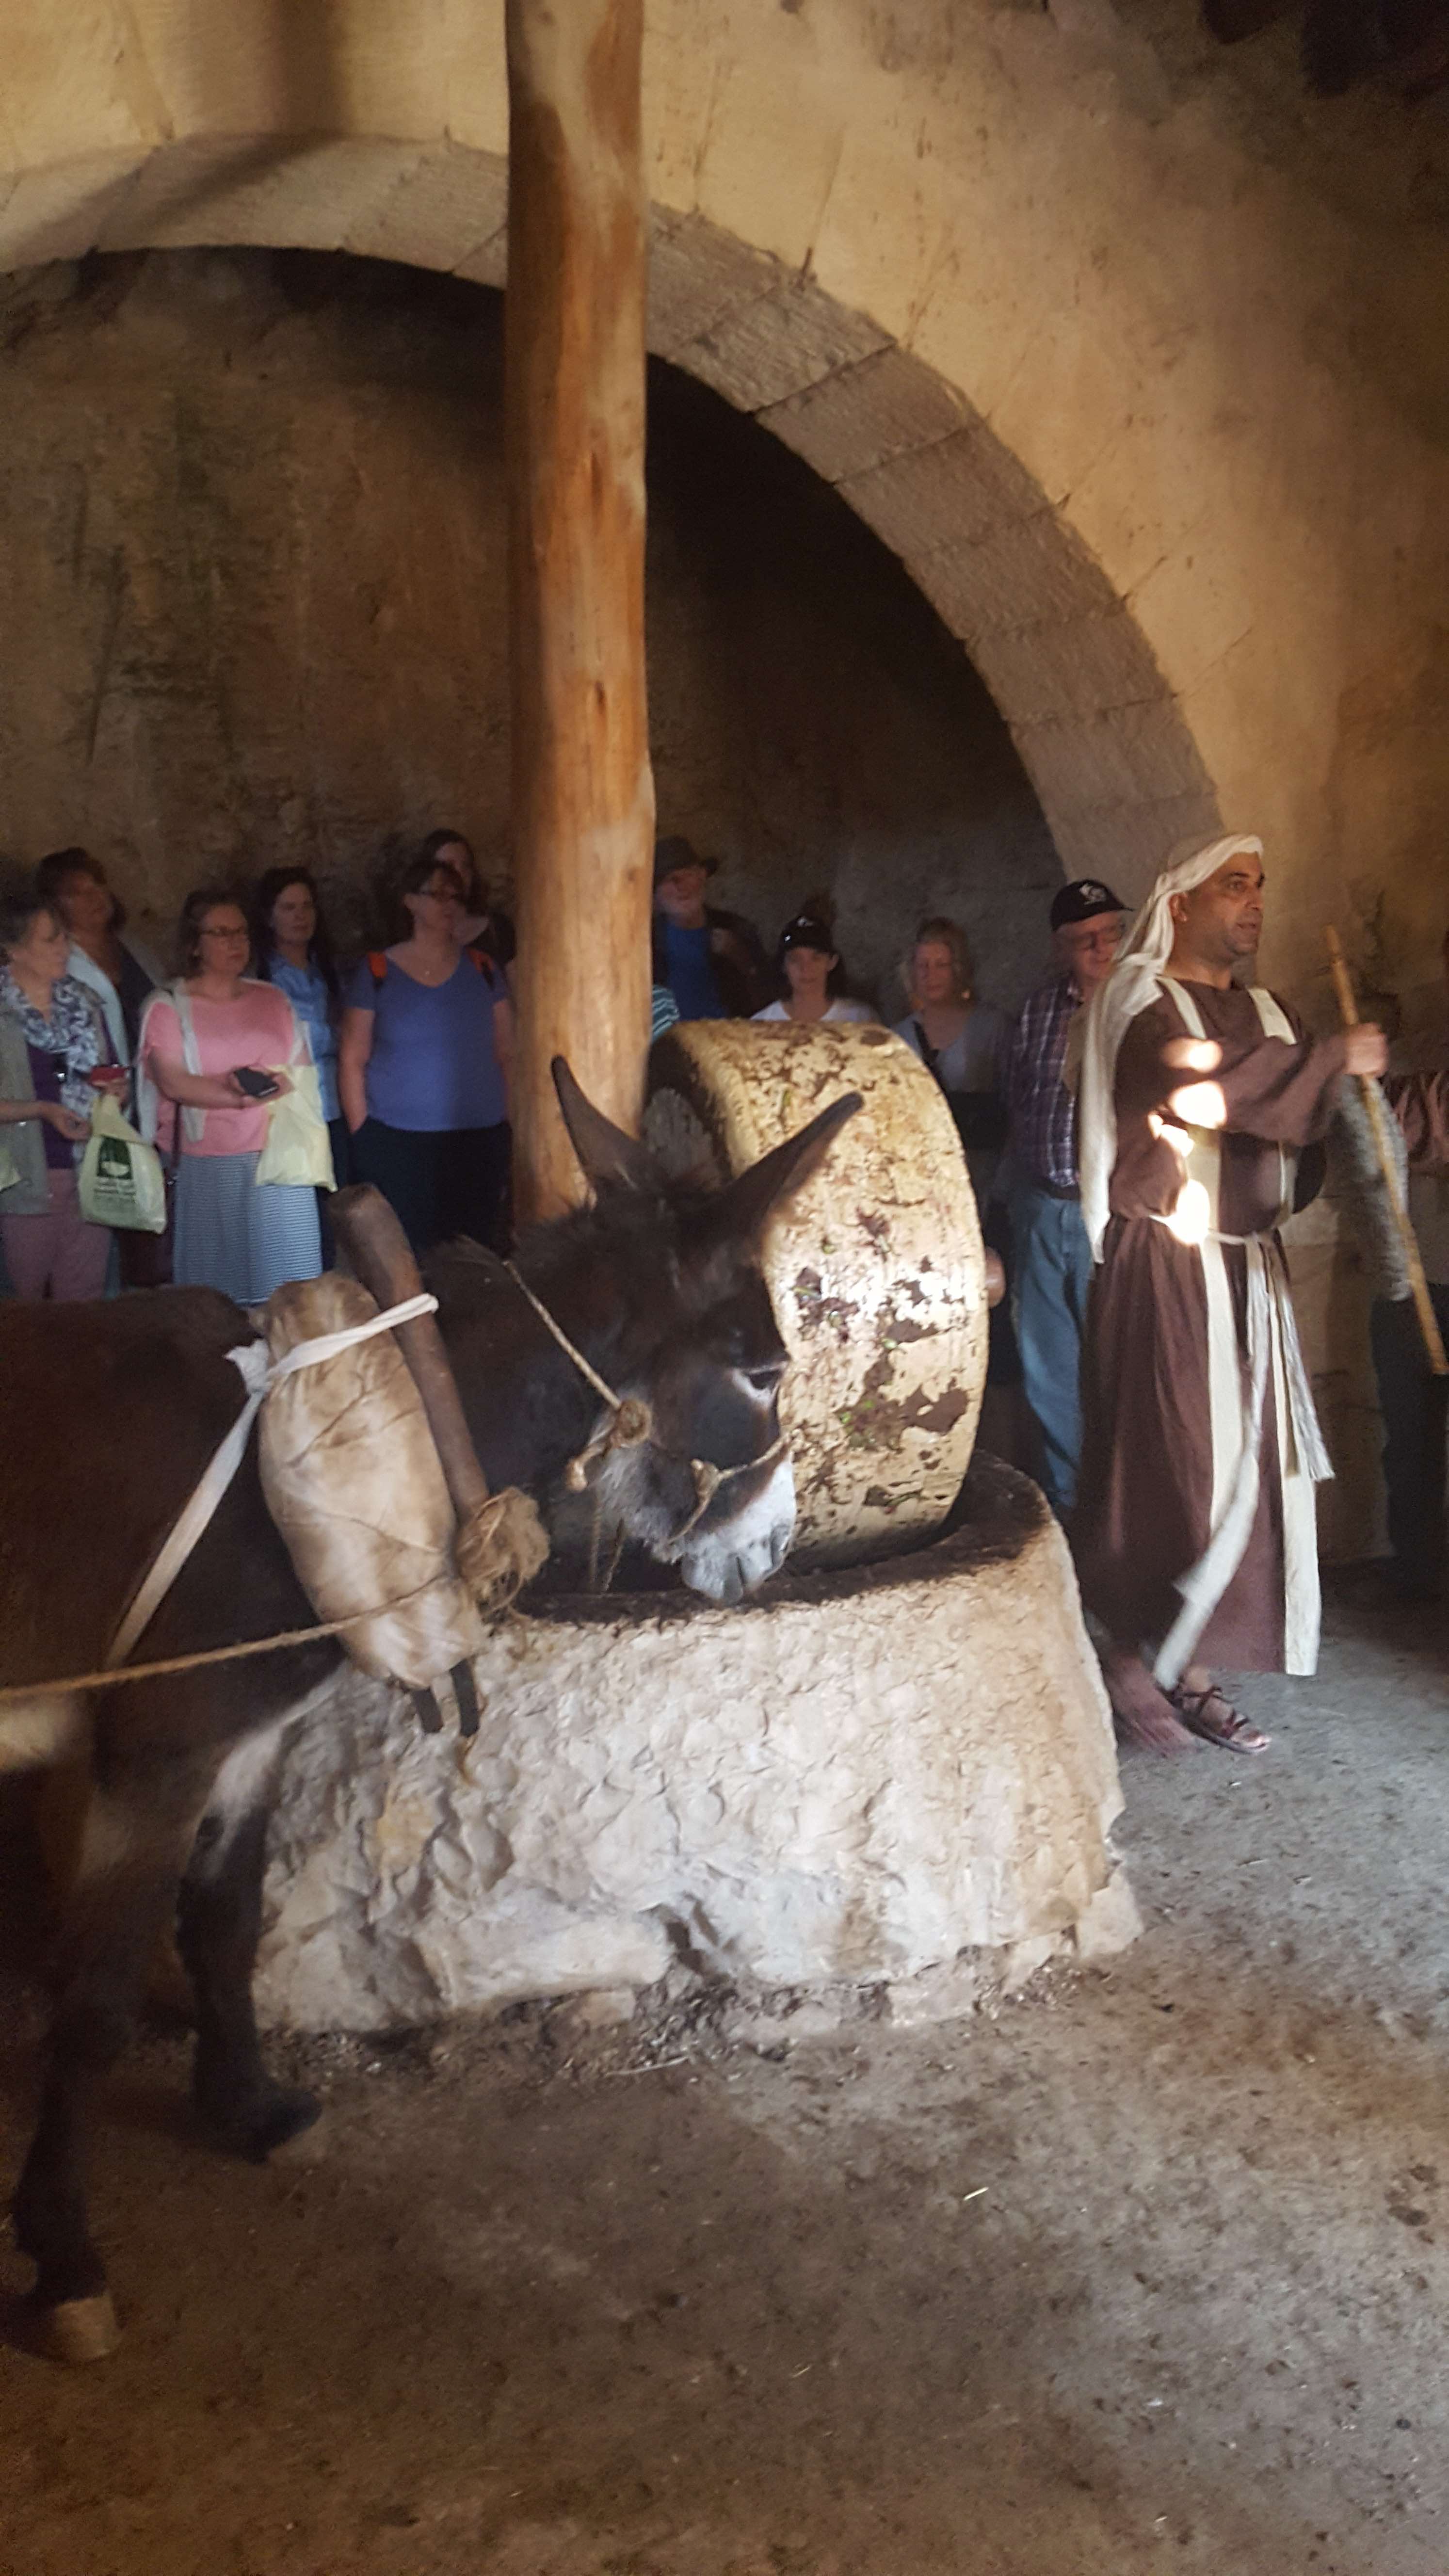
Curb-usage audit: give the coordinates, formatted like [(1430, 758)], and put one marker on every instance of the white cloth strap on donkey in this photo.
[(258, 1372), (1236, 1412)]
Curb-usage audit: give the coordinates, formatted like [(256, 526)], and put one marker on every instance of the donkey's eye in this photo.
[(766, 1377)]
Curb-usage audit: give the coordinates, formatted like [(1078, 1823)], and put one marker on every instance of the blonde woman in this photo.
[(960, 1039)]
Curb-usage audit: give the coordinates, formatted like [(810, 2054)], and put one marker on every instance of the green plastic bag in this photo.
[(121, 1180)]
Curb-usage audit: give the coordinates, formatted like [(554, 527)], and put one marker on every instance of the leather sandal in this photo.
[(1211, 1716)]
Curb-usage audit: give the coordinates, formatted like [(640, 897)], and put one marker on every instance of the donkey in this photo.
[(109, 1413)]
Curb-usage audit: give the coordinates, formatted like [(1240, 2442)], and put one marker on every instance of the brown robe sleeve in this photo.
[(1279, 1093)]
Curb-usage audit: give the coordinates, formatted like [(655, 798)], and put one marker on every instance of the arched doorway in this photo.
[(1099, 729)]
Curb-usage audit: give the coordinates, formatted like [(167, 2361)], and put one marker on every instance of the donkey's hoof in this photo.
[(307, 2142), (261, 2124), (286, 2114), (76, 2330)]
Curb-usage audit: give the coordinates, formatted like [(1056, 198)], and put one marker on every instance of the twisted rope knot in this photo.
[(500, 1547), (629, 1425)]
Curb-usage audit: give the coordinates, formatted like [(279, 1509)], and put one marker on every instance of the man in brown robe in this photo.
[(1195, 1535)]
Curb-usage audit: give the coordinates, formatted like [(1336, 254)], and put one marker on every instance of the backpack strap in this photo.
[(377, 967)]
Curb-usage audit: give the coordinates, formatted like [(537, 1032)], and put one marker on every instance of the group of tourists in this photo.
[(400, 1066), (1134, 1137)]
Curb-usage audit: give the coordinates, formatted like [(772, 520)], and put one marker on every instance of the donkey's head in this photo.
[(711, 1488), (659, 1288)]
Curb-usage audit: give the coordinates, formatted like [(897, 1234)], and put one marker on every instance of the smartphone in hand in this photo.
[(255, 1083)]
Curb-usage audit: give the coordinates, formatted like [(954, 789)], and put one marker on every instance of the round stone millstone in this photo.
[(875, 1268)]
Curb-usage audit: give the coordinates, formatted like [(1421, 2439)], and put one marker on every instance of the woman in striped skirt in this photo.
[(212, 1024)]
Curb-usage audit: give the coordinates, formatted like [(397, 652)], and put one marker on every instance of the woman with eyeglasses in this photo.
[(214, 1048), (427, 1034)]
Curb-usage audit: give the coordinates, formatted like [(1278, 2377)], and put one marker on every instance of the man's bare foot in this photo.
[(1144, 1714)]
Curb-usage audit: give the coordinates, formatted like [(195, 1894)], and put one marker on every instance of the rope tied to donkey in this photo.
[(497, 1548), (631, 1426), (107, 1677)]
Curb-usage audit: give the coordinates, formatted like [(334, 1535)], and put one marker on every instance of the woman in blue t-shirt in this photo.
[(427, 1034)]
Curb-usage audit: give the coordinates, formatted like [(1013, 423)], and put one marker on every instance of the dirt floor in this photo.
[(1149, 2272)]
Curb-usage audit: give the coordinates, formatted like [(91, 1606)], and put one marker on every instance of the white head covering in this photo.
[(1132, 987)]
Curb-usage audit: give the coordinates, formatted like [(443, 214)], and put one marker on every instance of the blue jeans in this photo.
[(1053, 1273)]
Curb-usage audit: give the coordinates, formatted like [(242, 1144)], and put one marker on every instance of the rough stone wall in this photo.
[(253, 520)]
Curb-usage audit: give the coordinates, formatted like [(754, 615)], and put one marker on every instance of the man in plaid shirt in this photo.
[(1053, 1259)]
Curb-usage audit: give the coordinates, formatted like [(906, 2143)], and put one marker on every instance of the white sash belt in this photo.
[(1273, 1345)]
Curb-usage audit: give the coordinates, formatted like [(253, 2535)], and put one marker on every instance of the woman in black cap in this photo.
[(808, 966)]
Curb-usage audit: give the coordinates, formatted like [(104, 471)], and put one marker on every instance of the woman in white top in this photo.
[(807, 964)]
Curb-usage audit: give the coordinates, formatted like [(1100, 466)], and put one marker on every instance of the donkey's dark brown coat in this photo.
[(109, 1414)]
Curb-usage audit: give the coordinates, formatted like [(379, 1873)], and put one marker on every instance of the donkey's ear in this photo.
[(608, 1157), (744, 1207)]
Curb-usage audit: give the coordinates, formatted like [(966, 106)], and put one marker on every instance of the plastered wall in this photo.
[(1207, 322)]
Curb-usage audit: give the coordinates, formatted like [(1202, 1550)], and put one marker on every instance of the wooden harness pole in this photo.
[(583, 794), (1373, 1100)]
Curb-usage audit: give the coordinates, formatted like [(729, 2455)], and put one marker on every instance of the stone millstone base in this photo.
[(855, 1778)]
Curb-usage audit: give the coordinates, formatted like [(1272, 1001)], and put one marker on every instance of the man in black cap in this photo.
[(712, 962), (1052, 1257)]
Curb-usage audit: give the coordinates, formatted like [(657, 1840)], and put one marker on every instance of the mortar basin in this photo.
[(862, 1778)]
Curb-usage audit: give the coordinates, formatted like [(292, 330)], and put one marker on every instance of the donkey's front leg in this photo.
[(136, 1835), (218, 1922)]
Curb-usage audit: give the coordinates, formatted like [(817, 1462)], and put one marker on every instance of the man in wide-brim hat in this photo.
[(711, 961)]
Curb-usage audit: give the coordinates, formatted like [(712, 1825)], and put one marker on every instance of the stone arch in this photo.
[(1099, 729)]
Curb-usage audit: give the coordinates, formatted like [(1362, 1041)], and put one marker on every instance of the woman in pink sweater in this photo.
[(197, 1036)]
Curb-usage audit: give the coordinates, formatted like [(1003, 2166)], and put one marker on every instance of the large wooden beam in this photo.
[(583, 795)]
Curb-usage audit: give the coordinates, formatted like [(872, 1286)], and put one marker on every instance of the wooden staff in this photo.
[(1373, 1100), (583, 794), (382, 1260)]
